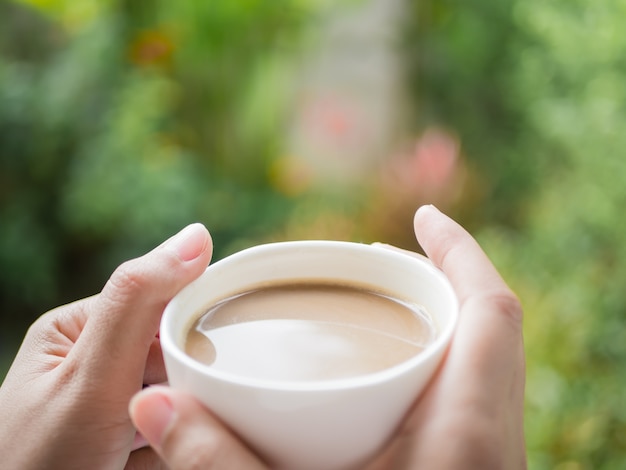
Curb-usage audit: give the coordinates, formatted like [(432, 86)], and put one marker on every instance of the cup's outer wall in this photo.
[(323, 427)]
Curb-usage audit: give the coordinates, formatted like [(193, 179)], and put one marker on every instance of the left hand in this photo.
[(64, 402)]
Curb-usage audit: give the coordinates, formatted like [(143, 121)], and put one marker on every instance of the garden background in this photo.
[(123, 120)]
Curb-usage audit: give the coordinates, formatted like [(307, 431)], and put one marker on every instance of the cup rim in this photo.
[(169, 344)]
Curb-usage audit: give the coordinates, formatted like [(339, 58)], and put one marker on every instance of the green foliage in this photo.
[(579, 104), (131, 120), (536, 90), (462, 58)]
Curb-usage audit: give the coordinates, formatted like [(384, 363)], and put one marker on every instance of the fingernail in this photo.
[(190, 242), (152, 412), (428, 207)]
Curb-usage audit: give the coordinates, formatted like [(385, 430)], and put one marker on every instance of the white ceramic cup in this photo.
[(324, 425)]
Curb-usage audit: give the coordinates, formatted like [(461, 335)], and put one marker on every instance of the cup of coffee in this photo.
[(312, 352)]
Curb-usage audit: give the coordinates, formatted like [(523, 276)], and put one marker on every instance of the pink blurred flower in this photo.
[(429, 169)]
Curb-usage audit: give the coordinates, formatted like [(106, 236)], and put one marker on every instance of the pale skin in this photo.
[(65, 401)]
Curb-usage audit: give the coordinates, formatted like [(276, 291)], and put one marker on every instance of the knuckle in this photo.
[(59, 323), (499, 304), (510, 306), (126, 279), (139, 275)]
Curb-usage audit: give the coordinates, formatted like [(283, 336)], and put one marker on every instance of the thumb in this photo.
[(123, 319), (185, 434)]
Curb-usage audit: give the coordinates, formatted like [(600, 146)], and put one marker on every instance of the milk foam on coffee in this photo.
[(308, 332)]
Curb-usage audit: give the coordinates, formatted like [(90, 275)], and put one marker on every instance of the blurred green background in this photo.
[(121, 121)]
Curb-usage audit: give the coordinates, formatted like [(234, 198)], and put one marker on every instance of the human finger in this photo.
[(488, 345), (185, 434), (123, 319), (464, 262)]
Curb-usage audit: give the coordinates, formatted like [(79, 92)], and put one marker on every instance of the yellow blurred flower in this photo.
[(291, 176)]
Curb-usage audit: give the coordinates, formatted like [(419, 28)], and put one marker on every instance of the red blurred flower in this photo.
[(151, 47)]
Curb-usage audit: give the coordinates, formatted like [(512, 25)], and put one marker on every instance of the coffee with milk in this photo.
[(308, 332)]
